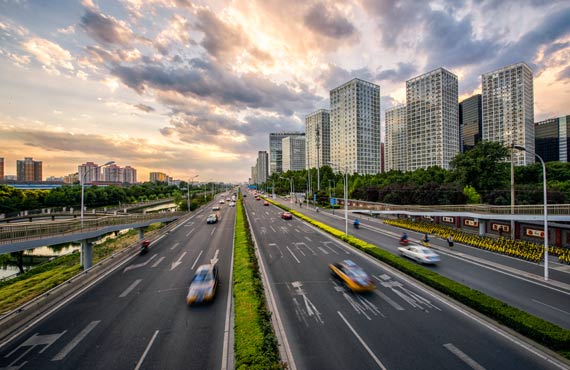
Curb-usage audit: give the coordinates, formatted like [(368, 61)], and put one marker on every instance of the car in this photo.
[(222, 201), (228, 200), (420, 254), (215, 208), (245, 195), (265, 203), (257, 197), (232, 204), (286, 215), (204, 284), (212, 219), (353, 276)]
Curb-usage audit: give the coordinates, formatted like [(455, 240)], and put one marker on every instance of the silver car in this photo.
[(419, 254)]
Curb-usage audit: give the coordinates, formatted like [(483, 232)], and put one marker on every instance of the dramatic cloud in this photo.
[(335, 76), (105, 29), (144, 107), (564, 75), (403, 72), (49, 54), (327, 22)]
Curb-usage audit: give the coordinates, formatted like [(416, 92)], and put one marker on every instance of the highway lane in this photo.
[(400, 326), (137, 318), (508, 279)]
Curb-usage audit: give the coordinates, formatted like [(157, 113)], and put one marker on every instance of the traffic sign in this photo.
[(333, 201)]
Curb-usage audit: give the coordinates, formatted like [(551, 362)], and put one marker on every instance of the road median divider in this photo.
[(255, 342), (535, 328)]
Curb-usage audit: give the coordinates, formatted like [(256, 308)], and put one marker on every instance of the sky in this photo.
[(194, 87)]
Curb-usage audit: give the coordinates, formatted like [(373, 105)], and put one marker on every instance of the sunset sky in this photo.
[(194, 87)]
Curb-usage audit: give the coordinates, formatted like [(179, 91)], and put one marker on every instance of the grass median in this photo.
[(255, 341), (535, 328)]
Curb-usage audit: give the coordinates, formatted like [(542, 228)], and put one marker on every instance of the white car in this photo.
[(232, 204), (419, 254)]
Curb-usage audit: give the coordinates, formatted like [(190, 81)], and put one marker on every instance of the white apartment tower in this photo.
[(508, 109), (317, 139), (432, 119), (293, 153), (396, 148), (88, 172), (262, 167), (129, 175), (355, 127)]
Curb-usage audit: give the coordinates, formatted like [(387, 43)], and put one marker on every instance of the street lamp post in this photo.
[(291, 184), (273, 188), (545, 209), (345, 199), (83, 186), (189, 203)]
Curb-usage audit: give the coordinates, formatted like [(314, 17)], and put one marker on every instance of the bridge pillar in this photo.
[(482, 224), (141, 234), (86, 257)]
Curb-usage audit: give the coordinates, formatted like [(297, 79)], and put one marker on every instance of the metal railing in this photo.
[(10, 233)]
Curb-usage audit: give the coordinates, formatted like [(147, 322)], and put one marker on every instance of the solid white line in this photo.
[(295, 257), (549, 306), (225, 347), (130, 288), (463, 357), (157, 262), (146, 350), (75, 341), (197, 258), (212, 233), (189, 232), (174, 246), (389, 300), (160, 237), (378, 362)]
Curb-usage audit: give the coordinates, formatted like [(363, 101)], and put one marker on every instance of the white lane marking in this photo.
[(189, 232), (212, 232), (33, 342), (130, 288), (131, 267), (549, 306), (297, 230), (160, 237), (177, 263), (378, 362), (343, 250), (75, 341), (295, 257), (146, 350), (389, 300), (157, 262), (331, 249), (309, 239), (463, 357), (227, 332), (196, 261), (215, 260), (175, 245), (323, 250), (271, 227)]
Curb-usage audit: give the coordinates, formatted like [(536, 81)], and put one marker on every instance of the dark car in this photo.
[(286, 215), (204, 284)]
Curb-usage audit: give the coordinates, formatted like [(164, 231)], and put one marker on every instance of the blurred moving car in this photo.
[(222, 201), (215, 208), (265, 203), (212, 219), (353, 276), (204, 284), (286, 215), (257, 197), (232, 204), (419, 254)]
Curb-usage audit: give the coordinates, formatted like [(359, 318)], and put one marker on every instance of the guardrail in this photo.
[(553, 209), (10, 233)]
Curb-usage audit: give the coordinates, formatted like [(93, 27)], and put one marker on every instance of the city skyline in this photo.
[(196, 88)]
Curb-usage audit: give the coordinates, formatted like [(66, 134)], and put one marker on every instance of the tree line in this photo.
[(481, 175)]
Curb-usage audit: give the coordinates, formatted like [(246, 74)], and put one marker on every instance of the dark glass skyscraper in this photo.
[(552, 138), (275, 150), (470, 120)]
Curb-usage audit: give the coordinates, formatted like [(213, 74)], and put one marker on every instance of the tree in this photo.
[(472, 196)]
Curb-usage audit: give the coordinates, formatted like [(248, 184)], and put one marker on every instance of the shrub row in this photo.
[(255, 342), (539, 330)]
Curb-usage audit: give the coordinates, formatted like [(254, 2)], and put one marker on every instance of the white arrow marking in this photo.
[(131, 267), (178, 262), (214, 260)]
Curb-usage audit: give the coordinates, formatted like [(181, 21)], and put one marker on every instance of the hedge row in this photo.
[(255, 342), (539, 330)]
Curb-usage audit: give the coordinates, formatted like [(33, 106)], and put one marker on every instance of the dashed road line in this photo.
[(146, 350), (130, 288), (75, 341), (463, 357)]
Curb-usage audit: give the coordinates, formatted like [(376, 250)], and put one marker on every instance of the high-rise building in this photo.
[(254, 174), (293, 153), (129, 175), (432, 119), (470, 121), (262, 166), (552, 139), (113, 173), (28, 170), (508, 109), (275, 150), (1, 168), (396, 149), (89, 172), (355, 127), (317, 139), (158, 177)]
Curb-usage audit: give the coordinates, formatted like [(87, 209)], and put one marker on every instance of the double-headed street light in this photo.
[(192, 180), (545, 209), (83, 185)]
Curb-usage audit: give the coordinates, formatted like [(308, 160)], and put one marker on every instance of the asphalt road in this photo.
[(137, 318), (511, 280), (399, 326)]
